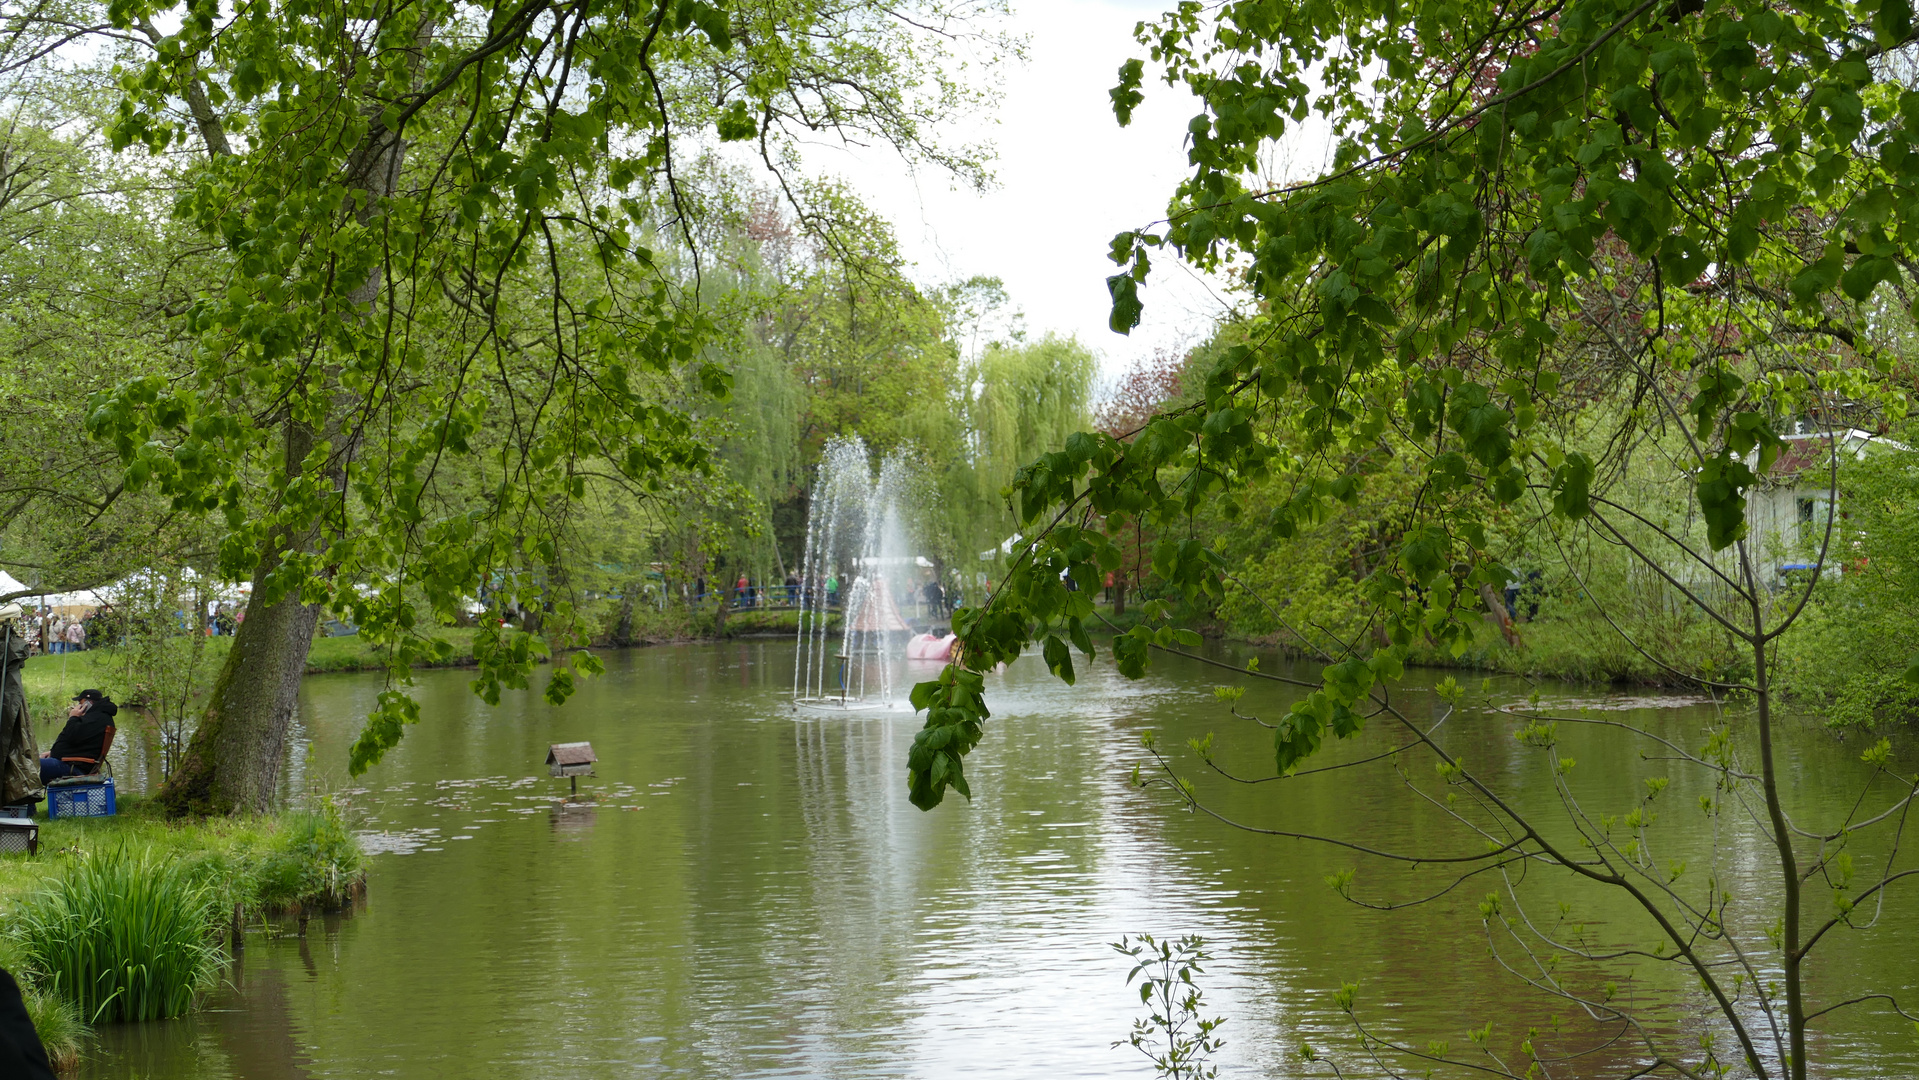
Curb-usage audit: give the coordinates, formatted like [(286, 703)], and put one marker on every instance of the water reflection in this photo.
[(748, 893)]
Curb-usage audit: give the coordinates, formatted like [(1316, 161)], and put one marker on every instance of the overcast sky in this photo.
[(1069, 178)]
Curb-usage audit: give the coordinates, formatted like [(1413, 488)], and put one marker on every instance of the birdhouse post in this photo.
[(571, 760)]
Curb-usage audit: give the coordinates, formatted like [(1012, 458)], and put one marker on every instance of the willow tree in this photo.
[(1701, 216), (445, 292), (1017, 399)]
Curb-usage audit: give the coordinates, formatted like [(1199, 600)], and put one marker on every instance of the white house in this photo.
[(1786, 513)]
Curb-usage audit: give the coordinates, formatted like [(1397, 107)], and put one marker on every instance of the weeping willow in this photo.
[(1021, 400)]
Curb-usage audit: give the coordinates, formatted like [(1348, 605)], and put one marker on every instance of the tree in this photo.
[(89, 279), (445, 279), (1015, 399), (1678, 213)]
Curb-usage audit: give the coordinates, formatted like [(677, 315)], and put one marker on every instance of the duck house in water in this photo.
[(571, 760)]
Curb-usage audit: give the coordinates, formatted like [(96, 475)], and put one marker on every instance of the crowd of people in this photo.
[(53, 633), (929, 598)]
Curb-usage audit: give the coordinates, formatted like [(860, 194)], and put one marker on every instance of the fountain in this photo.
[(853, 529)]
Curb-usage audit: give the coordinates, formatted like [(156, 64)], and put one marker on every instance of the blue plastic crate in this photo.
[(90, 797)]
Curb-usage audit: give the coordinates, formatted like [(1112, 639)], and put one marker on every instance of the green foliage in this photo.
[(1175, 1036), (91, 264), (123, 935), (1016, 400), (454, 276), (1850, 652), (313, 860), (58, 1023), (1565, 258), (154, 647)]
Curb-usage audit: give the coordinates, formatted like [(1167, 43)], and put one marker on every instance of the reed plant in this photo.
[(122, 935)]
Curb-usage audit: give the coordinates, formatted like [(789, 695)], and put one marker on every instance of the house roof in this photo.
[(1813, 450), (1799, 455), (570, 753)]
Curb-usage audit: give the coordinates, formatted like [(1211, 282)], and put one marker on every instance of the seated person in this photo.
[(84, 736)]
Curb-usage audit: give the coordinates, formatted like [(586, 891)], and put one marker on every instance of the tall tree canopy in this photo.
[(455, 279)]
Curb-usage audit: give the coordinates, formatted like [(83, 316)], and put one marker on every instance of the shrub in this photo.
[(314, 860), (122, 936)]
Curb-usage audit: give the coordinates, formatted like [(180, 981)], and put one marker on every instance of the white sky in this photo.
[(1069, 178)]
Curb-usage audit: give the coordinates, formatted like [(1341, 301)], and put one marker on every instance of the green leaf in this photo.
[(1297, 735), (736, 123), (1126, 306), (1892, 22), (1059, 659), (1126, 96), (1721, 491), (1818, 277), (1865, 275), (1571, 487), (1076, 630)]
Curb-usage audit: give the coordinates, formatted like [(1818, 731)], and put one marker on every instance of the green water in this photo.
[(752, 896)]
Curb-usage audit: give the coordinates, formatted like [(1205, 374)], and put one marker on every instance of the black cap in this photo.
[(88, 695)]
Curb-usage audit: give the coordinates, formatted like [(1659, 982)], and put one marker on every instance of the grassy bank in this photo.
[(1568, 652), (754, 623), (51, 680), (128, 917)]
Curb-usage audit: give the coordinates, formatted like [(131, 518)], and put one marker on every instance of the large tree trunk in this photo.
[(232, 762)]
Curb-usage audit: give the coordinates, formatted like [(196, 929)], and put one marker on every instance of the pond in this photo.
[(750, 894)]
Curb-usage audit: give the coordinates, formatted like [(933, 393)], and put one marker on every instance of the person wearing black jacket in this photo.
[(85, 735), (21, 1053)]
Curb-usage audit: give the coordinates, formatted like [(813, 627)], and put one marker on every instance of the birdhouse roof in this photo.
[(570, 753)]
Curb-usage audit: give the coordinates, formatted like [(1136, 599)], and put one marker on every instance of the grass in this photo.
[(313, 860), (747, 622), (52, 680), (62, 1032), (331, 654)]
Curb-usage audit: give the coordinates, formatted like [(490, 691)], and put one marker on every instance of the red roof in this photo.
[(1802, 454)]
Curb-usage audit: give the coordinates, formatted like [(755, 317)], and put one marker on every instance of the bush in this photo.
[(314, 860), (122, 936)]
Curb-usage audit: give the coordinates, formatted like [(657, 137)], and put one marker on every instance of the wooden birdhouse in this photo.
[(572, 760)]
